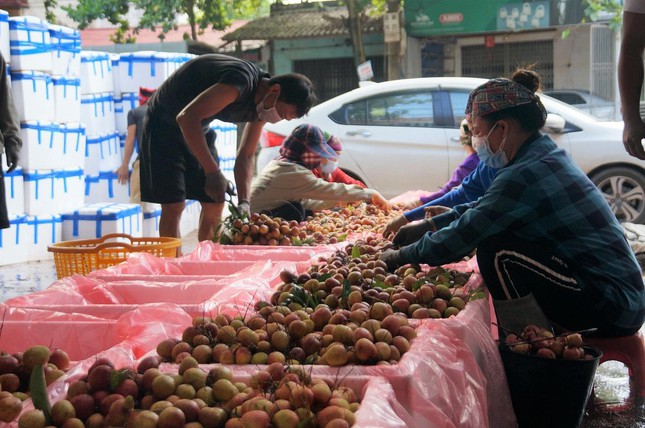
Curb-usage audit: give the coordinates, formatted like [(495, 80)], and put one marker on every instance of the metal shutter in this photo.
[(503, 58)]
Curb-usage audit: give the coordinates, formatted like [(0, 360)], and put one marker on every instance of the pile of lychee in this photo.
[(279, 396), (275, 334), (15, 373), (356, 278), (324, 227), (541, 342)]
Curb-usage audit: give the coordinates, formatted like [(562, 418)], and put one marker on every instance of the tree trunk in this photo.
[(355, 31)]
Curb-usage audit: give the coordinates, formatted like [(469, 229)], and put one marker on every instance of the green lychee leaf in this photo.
[(118, 376), (356, 252), (347, 288)]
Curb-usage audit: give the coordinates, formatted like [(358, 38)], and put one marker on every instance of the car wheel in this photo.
[(624, 190)]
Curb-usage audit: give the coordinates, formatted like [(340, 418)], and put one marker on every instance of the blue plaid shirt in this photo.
[(542, 196)]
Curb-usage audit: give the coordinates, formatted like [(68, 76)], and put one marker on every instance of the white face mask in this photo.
[(328, 167), (268, 115), (494, 160)]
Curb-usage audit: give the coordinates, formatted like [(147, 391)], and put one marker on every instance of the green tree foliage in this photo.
[(202, 14), (595, 8)]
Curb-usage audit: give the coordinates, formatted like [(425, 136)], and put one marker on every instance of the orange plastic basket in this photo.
[(85, 255)]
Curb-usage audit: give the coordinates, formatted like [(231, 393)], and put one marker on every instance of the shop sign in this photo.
[(425, 18)]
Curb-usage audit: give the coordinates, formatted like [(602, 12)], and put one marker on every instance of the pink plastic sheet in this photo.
[(83, 336), (408, 196), (207, 250), (451, 377)]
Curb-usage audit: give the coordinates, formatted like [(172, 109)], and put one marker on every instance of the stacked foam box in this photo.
[(95, 220), (5, 50), (103, 150), (13, 241), (147, 68), (44, 63), (14, 191)]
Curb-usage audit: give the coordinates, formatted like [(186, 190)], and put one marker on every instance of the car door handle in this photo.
[(359, 133)]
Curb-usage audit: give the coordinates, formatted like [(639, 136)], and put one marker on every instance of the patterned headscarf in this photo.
[(306, 146), (499, 94)]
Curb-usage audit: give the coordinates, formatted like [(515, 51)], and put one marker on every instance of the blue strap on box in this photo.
[(48, 219), (34, 76), (100, 216), (22, 219), (98, 57)]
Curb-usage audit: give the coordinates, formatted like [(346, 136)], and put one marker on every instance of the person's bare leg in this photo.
[(169, 221), (208, 220)]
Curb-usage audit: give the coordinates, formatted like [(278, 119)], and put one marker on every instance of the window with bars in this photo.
[(336, 76), (503, 58)]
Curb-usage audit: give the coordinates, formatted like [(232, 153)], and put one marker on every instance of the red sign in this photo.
[(448, 18)]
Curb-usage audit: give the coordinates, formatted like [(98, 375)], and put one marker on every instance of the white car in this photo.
[(403, 135), (592, 104)]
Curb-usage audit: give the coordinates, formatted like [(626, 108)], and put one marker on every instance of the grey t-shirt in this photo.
[(135, 117)]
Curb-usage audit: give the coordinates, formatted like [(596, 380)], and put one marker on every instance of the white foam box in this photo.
[(42, 231), (129, 101), (116, 81), (14, 191), (96, 72), (33, 94), (30, 44), (147, 69), (190, 217), (66, 50), (102, 153), (95, 220), (151, 216), (97, 112), (226, 145), (67, 98), (73, 142), (4, 36), (53, 191), (105, 187), (52, 145), (13, 241)]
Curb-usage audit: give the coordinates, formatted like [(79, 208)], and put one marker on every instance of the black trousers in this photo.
[(513, 268)]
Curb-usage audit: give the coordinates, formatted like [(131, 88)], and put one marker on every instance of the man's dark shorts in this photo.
[(169, 171)]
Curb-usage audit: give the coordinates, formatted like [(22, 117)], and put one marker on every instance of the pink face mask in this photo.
[(268, 115)]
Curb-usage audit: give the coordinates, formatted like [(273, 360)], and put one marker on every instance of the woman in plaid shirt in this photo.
[(549, 248)]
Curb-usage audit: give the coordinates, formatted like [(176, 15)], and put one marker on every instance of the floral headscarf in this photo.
[(306, 146), (499, 94)]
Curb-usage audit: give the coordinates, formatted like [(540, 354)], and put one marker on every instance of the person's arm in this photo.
[(9, 121), (124, 170), (630, 81), (245, 159), (458, 175), (472, 187)]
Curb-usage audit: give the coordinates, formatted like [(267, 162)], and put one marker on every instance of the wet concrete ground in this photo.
[(611, 407)]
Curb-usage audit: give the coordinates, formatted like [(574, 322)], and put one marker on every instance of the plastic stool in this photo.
[(629, 350)]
